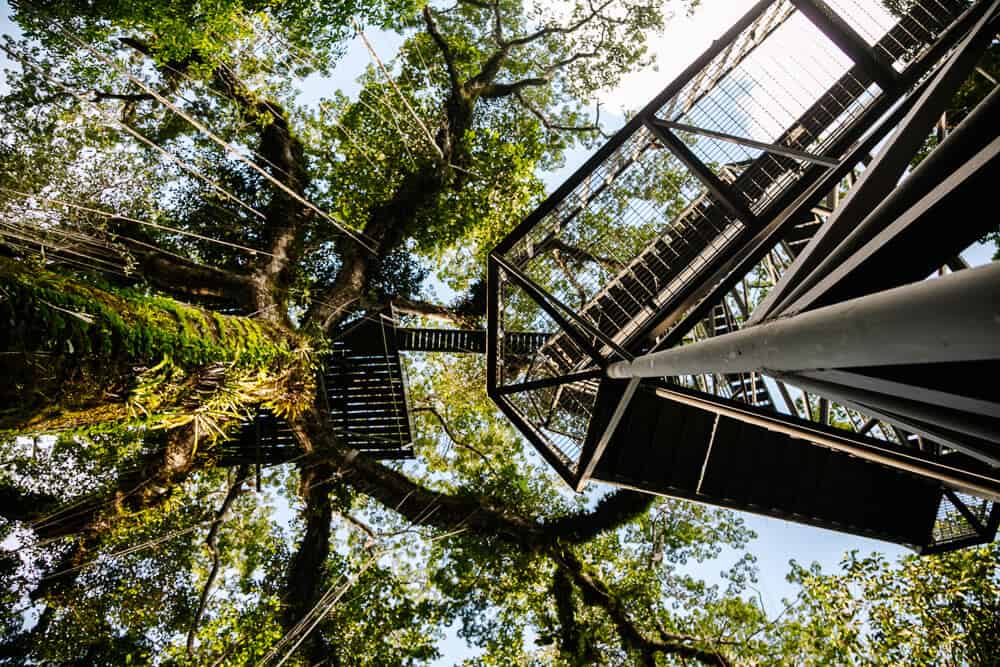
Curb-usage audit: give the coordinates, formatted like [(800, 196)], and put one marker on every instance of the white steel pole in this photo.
[(951, 318)]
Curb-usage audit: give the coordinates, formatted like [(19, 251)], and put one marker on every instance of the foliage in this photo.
[(934, 610), (161, 288), (180, 28)]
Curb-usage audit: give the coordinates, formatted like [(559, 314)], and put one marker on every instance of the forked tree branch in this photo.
[(443, 47), (477, 512), (596, 593), (499, 90), (212, 544), (458, 442), (432, 311), (549, 124), (595, 12)]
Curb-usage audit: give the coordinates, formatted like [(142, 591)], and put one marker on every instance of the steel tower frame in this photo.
[(850, 319)]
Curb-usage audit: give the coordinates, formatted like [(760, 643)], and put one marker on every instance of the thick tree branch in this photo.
[(475, 512), (596, 593), (443, 47), (151, 482), (433, 311), (387, 227), (305, 574), (595, 12), (284, 156), (598, 52), (18, 505), (611, 512), (212, 544), (573, 642), (483, 80), (183, 278), (498, 90)]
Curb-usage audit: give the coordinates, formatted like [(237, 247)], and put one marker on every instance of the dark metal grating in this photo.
[(954, 528), (264, 440), (366, 390), (411, 339)]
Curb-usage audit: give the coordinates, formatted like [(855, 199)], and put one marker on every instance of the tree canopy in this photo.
[(182, 240)]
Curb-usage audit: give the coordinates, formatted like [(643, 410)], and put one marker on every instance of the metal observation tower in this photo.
[(755, 300), (748, 297)]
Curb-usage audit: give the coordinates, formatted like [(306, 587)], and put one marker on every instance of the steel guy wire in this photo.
[(145, 223), (343, 227), (22, 233), (195, 83), (170, 155), (392, 83), (347, 133)]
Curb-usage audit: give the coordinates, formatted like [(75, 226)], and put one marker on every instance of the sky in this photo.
[(685, 38)]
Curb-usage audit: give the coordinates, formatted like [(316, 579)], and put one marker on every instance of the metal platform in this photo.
[(365, 390), (737, 174)]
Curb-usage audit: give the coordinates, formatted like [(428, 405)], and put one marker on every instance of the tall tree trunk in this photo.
[(306, 577), (75, 355)]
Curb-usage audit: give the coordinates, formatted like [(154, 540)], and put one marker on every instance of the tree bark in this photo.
[(306, 575)]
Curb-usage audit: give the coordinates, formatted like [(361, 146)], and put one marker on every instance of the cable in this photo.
[(306, 60), (166, 153), (146, 223), (191, 170), (343, 227), (116, 122), (392, 83)]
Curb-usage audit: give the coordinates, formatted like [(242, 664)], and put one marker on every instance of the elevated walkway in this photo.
[(365, 391), (666, 447)]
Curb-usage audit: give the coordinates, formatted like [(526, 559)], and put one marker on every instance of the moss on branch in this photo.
[(81, 354)]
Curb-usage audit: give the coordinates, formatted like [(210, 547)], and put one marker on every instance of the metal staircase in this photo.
[(633, 262), (364, 387)]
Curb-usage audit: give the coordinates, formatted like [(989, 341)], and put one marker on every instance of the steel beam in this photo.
[(927, 234), (541, 297), (881, 177), (849, 41), (980, 483), (912, 392), (550, 382), (731, 201), (916, 412), (950, 318), (673, 88), (971, 518), (587, 467), (970, 445), (688, 308), (553, 306), (777, 149), (494, 314), (532, 434)]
